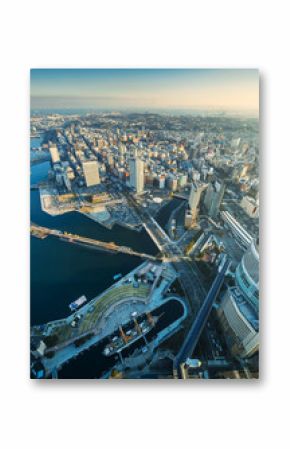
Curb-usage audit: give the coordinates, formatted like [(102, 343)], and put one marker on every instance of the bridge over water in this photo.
[(42, 232)]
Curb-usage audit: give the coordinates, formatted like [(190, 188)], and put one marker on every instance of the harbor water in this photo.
[(61, 271)]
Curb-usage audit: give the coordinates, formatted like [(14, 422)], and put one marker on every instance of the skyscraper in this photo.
[(91, 173), (194, 197), (136, 167), (213, 198)]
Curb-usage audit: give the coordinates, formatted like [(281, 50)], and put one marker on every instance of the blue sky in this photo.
[(145, 88)]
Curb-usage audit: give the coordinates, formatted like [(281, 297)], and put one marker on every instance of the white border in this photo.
[(139, 34)]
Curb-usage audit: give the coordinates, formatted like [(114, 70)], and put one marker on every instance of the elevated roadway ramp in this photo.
[(195, 331)]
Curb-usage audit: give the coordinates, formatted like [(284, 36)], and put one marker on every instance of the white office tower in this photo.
[(194, 197), (240, 323), (247, 276), (54, 154), (239, 309), (136, 167), (91, 173)]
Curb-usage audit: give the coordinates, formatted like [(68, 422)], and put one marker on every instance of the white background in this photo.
[(233, 414)]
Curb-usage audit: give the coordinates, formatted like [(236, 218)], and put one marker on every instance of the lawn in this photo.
[(97, 308)]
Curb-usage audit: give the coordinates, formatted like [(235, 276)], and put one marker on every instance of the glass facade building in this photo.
[(247, 276)]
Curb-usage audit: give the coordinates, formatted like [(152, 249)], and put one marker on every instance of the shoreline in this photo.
[(154, 299)]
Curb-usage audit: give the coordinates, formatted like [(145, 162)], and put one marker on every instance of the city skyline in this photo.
[(144, 224), (146, 89)]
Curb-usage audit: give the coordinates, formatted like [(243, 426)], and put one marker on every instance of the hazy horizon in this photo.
[(146, 89)]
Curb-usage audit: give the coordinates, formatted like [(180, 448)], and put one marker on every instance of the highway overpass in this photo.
[(195, 331)]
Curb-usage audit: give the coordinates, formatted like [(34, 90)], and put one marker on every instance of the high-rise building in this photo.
[(91, 173), (247, 276), (188, 219), (213, 198), (54, 154), (136, 167), (239, 309), (161, 179), (110, 159), (66, 181), (250, 206), (240, 324), (172, 183), (182, 180), (135, 153), (194, 197)]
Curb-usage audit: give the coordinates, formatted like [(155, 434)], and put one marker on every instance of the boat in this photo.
[(77, 303), (126, 338), (117, 276)]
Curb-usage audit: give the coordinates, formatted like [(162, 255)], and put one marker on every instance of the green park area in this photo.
[(62, 330)]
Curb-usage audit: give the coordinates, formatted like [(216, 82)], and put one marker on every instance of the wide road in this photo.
[(194, 333), (188, 273)]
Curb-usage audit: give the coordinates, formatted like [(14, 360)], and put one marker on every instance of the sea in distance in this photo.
[(61, 271)]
